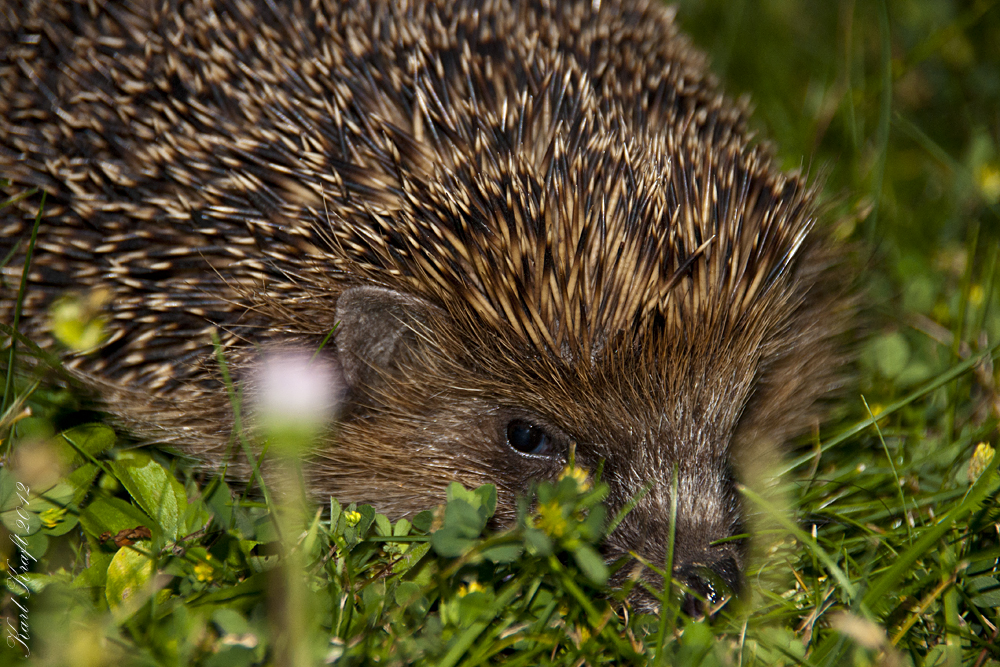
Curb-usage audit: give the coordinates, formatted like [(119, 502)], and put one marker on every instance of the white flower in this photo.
[(294, 396)]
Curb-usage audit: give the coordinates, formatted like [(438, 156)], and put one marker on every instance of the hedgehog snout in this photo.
[(707, 552), (707, 574)]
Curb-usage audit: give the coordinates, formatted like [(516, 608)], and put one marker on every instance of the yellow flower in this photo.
[(988, 180), (877, 410), (78, 320), (203, 571), (980, 459), (551, 520), (579, 474), (471, 587), (52, 516), (352, 518), (976, 295)]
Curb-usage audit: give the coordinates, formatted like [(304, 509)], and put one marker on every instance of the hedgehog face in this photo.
[(445, 401)]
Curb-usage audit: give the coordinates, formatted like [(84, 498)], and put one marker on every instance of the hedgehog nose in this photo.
[(708, 584)]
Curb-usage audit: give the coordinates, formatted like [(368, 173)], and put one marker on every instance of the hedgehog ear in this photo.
[(376, 328)]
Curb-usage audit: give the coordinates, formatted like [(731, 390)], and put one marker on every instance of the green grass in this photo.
[(876, 547)]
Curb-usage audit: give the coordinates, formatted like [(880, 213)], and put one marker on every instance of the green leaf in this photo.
[(90, 439), (696, 641), (937, 656), (97, 573), (261, 529), (367, 518), (591, 563), (67, 522), (35, 582), (218, 499), (58, 495), (891, 354), (593, 526), (82, 479), (21, 521), (153, 488), (195, 516), (36, 544), (407, 593), (423, 521), (779, 644), (243, 596), (537, 541), (129, 575), (456, 491), (336, 511), (503, 553), (230, 621), (19, 509), (697, 635), (988, 589), (113, 515), (411, 557), (463, 522), (56, 507), (449, 543), (382, 526), (401, 529), (487, 494), (475, 606), (311, 544), (9, 490), (465, 518)]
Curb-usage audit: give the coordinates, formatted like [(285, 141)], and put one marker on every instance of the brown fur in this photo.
[(540, 210)]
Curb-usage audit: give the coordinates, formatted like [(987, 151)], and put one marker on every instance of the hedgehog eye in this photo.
[(527, 438)]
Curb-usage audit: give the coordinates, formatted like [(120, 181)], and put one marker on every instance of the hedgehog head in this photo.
[(648, 299)]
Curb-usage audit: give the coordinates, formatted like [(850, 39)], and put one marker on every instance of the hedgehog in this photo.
[(533, 227)]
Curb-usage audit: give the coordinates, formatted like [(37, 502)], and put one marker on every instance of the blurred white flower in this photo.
[(294, 396)]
